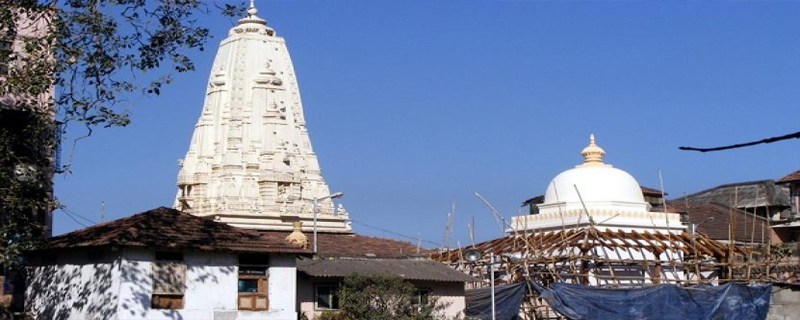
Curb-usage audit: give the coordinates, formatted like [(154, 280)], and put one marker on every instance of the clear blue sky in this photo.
[(412, 103)]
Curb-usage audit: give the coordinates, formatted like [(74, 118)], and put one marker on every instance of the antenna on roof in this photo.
[(663, 198), (471, 227), (448, 229), (102, 211), (497, 216), (419, 242)]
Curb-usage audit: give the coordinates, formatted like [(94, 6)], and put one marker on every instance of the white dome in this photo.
[(601, 186), (596, 184)]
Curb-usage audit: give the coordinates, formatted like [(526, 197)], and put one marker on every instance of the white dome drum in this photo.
[(594, 184)]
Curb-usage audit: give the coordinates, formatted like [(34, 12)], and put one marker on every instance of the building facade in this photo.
[(163, 264)]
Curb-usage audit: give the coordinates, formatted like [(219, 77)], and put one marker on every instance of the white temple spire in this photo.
[(250, 162)]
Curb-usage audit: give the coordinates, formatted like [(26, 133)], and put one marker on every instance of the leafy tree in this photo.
[(84, 63), (383, 297)]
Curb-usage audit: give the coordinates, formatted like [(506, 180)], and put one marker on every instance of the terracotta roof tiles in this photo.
[(338, 245), (717, 228), (792, 177), (165, 228)]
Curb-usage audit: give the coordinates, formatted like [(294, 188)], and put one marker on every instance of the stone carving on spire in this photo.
[(250, 161)]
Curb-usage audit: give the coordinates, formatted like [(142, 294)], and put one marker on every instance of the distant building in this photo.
[(164, 264), (340, 256), (792, 181), (33, 160), (788, 230), (764, 198), (714, 220)]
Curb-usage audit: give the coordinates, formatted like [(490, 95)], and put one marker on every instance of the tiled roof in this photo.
[(409, 269), (652, 192), (794, 176), (747, 194), (165, 228), (337, 245), (743, 222)]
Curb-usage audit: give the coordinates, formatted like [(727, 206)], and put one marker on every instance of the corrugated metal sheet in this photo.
[(406, 269)]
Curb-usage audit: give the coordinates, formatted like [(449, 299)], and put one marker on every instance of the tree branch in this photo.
[(795, 135)]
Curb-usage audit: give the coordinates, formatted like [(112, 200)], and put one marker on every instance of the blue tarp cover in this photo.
[(726, 302), (508, 299)]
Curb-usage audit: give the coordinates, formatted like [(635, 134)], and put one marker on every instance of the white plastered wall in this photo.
[(75, 287), (211, 288), (121, 288)]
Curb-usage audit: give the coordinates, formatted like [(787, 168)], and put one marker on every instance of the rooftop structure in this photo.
[(250, 162), (764, 198), (595, 193)]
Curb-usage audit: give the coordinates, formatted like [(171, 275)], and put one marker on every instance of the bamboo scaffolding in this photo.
[(606, 258)]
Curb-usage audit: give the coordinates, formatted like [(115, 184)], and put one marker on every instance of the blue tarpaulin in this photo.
[(726, 302), (508, 299)]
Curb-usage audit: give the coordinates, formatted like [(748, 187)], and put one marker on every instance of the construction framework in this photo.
[(624, 259)]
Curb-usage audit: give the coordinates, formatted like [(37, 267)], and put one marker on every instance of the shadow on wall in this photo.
[(139, 277), (57, 291), (90, 290)]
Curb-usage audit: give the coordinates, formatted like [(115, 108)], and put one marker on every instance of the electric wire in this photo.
[(73, 219), (438, 245), (73, 216)]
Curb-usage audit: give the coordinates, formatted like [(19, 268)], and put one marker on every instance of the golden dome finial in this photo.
[(592, 154)]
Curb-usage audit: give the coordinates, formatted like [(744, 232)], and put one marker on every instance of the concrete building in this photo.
[(343, 255), (163, 264), (29, 156)]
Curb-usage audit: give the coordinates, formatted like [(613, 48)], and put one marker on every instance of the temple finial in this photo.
[(592, 154), (252, 9), (251, 15)]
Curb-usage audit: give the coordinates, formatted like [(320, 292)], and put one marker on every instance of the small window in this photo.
[(254, 259), (253, 282), (169, 281), (167, 301), (421, 296), (6, 48), (95, 255), (327, 297), (169, 256)]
